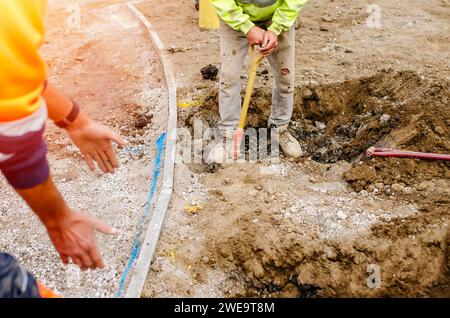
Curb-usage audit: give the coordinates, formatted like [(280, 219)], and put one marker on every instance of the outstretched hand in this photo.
[(93, 139), (74, 239), (95, 143)]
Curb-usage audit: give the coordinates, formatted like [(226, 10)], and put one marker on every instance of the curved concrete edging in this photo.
[(142, 266)]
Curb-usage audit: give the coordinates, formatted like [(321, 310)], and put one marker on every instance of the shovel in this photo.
[(257, 58)]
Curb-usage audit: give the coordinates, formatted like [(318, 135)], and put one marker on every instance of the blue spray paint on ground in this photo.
[(140, 227)]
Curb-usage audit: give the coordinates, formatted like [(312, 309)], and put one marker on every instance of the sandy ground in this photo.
[(108, 65), (319, 226)]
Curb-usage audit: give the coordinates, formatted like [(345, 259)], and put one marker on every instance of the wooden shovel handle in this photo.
[(257, 57), (256, 60)]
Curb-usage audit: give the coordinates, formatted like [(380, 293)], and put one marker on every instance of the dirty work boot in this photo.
[(221, 150), (288, 143)]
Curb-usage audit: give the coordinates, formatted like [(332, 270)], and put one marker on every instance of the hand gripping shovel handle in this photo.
[(257, 58)]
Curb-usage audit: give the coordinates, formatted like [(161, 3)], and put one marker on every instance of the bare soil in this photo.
[(314, 227)]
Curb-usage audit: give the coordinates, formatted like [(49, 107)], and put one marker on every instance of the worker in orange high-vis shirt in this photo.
[(26, 101)]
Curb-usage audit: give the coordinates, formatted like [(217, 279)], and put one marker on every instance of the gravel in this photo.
[(333, 212), (117, 199)]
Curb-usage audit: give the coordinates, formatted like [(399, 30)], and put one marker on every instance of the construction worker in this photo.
[(26, 100), (269, 25)]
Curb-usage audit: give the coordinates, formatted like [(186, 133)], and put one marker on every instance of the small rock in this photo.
[(205, 259), (313, 180), (341, 215), (426, 185), (363, 192), (384, 118), (258, 187), (307, 93), (388, 191), (294, 209), (439, 130), (156, 268), (226, 180), (327, 19), (323, 29), (258, 270), (379, 186), (407, 190), (371, 188), (271, 190), (290, 291), (320, 125), (277, 218), (137, 154), (253, 193), (397, 187)]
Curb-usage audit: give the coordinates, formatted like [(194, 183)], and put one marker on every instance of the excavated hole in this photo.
[(339, 121)]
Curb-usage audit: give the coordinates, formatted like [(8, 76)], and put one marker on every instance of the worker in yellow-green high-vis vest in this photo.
[(269, 25)]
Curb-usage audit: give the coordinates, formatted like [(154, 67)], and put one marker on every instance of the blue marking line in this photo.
[(136, 244)]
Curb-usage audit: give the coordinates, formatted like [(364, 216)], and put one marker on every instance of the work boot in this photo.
[(288, 143), (221, 150)]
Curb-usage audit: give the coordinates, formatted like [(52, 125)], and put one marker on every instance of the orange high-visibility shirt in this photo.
[(22, 70)]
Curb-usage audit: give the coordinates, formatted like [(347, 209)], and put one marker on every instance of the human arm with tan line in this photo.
[(73, 232), (92, 138), (23, 114)]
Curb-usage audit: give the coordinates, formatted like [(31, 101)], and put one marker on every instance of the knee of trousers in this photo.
[(229, 79), (285, 79)]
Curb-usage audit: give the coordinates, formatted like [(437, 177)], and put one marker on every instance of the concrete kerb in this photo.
[(142, 266)]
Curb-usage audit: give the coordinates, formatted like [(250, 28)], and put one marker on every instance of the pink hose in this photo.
[(387, 152)]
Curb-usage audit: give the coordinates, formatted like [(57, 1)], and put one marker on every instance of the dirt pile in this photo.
[(328, 244), (401, 174), (209, 72)]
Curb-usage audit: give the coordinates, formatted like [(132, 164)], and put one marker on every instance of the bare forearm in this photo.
[(72, 233), (59, 106), (46, 202), (93, 139)]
